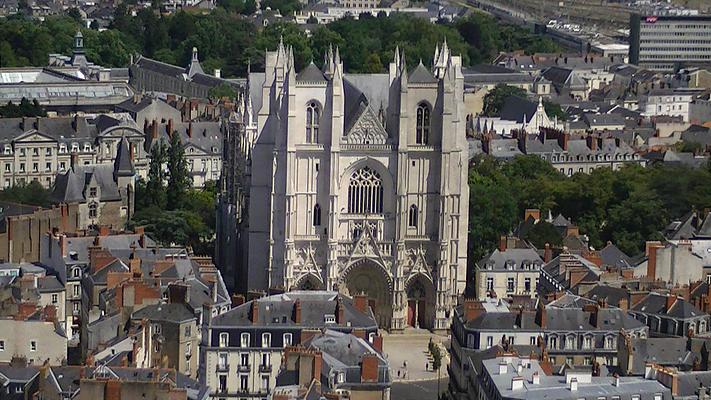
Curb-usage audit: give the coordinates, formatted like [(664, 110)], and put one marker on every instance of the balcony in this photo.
[(265, 368), (223, 367), (243, 368)]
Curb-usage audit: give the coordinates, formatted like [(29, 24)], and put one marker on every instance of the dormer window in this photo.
[(62, 148), (329, 319), (75, 147), (87, 147)]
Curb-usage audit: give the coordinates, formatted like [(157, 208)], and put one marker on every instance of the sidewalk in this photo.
[(408, 354)]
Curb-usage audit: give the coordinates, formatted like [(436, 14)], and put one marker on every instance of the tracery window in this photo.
[(423, 124), (313, 115), (365, 192)]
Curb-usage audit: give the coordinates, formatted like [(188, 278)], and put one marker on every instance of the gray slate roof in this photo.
[(72, 186), (311, 74), (420, 74), (655, 303), (171, 312)]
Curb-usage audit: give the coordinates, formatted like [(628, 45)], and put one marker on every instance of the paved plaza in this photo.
[(408, 355)]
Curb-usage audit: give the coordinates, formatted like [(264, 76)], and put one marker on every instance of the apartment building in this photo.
[(242, 348), (665, 43)]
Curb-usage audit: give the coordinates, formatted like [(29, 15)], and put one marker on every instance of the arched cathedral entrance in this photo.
[(309, 282), (420, 302), (367, 277)]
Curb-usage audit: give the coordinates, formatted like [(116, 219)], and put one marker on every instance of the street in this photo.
[(421, 390)]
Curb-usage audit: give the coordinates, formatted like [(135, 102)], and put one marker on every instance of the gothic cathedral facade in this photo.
[(356, 183)]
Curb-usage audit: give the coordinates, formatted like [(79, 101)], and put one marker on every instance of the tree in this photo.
[(553, 110), (223, 90), (155, 187), (29, 194), (75, 14), (543, 232), (178, 179), (495, 99), (24, 109), (312, 20)]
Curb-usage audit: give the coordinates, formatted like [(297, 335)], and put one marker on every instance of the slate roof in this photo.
[(655, 303), (518, 257), (206, 135), (612, 255), (49, 284), (595, 120), (660, 351), (123, 165), (565, 78), (611, 294), (689, 382), (420, 74), (311, 73), (72, 186), (557, 319), (314, 305), (171, 312), (515, 108)]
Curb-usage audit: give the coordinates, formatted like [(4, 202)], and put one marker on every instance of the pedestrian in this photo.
[(426, 365), (398, 374)]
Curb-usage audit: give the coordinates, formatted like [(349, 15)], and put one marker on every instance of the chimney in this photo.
[(547, 253), (616, 380), (74, 160), (178, 293), (541, 314), (503, 368), (340, 312), (360, 301), (652, 248), (572, 230), (154, 130), (254, 312), (536, 378), (369, 368), (104, 230), (563, 140), (624, 304), (502, 243), (532, 212), (112, 390), (316, 368), (146, 127), (472, 309), (378, 343), (63, 245), (297, 311), (213, 291), (190, 129), (671, 299), (237, 300)]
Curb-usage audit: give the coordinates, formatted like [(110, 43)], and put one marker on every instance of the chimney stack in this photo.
[(671, 299), (369, 368), (340, 312), (190, 129), (154, 130), (360, 301), (254, 312), (169, 127), (472, 309), (502, 243), (547, 254), (297, 311)]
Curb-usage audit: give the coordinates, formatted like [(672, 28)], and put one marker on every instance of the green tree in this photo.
[(26, 108), (495, 99), (223, 90), (178, 179), (542, 233), (30, 194), (155, 187)]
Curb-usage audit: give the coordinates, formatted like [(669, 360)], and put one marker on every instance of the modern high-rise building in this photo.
[(665, 43)]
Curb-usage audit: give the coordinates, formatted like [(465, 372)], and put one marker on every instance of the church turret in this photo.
[(124, 175)]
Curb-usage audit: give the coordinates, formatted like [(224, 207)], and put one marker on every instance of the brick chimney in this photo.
[(502, 243), (472, 309), (154, 130), (297, 311), (541, 314), (254, 312), (547, 253), (624, 304), (316, 368), (340, 312), (104, 230), (360, 301), (112, 390), (651, 251), (237, 299), (369, 368), (532, 212), (169, 127), (378, 343), (592, 142), (671, 299), (190, 129), (63, 245)]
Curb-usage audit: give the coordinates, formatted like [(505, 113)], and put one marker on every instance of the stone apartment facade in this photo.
[(242, 348), (507, 272), (39, 149)]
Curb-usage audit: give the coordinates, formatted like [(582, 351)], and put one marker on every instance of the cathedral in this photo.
[(351, 182)]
